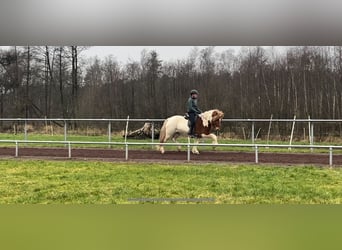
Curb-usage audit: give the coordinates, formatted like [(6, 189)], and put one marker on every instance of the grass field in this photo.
[(79, 182)]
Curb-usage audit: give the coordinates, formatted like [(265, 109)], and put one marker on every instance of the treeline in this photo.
[(46, 81)]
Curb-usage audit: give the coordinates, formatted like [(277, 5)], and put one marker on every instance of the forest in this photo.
[(59, 82)]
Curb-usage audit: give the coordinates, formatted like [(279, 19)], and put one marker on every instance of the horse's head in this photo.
[(216, 119)]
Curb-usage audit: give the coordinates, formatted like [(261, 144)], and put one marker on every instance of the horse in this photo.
[(177, 125)]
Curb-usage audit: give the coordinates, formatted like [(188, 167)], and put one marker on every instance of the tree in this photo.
[(113, 92), (74, 82), (153, 70), (61, 67), (28, 76), (49, 61)]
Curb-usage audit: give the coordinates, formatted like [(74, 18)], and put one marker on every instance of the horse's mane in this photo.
[(208, 116)]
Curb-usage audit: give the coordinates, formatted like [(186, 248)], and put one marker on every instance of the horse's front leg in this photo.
[(174, 139), (213, 138), (194, 148)]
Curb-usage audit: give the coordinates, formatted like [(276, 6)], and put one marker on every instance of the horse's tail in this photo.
[(162, 134)]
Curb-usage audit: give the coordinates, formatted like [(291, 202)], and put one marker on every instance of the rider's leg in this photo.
[(192, 117)]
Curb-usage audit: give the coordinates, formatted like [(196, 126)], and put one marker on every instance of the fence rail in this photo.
[(310, 122), (127, 144), (187, 145), (160, 119)]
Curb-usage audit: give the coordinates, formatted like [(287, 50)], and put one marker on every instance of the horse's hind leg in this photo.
[(174, 139), (161, 147)]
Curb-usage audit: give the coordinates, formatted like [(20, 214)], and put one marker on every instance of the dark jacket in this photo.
[(192, 106)]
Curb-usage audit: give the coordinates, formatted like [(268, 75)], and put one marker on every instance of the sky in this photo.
[(166, 53)]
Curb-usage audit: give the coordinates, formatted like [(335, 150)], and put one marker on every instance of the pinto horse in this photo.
[(177, 125)]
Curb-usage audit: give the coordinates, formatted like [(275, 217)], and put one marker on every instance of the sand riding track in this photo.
[(170, 156)]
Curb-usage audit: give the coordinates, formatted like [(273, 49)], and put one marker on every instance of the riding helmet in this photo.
[(194, 91)]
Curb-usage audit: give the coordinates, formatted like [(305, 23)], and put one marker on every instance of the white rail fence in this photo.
[(187, 145), (127, 144), (310, 123)]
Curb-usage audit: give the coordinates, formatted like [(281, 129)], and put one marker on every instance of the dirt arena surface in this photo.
[(170, 156)]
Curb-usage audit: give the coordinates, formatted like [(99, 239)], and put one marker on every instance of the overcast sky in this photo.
[(166, 53)]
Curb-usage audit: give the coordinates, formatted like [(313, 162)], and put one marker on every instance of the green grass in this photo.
[(70, 137), (77, 182)]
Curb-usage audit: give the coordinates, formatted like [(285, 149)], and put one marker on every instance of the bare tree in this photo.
[(61, 80), (28, 78)]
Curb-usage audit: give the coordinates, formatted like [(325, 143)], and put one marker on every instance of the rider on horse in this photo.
[(193, 110)]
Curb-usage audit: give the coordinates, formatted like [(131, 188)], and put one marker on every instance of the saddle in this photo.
[(186, 116)]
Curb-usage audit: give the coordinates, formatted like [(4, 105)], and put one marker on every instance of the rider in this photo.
[(192, 110)]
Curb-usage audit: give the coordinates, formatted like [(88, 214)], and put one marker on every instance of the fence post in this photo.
[(126, 145), (16, 149), (25, 130), (330, 156), (152, 134), (253, 139), (312, 135), (188, 150), (69, 150), (256, 154), (269, 129), (65, 130), (126, 130), (109, 133), (292, 130), (309, 128)]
